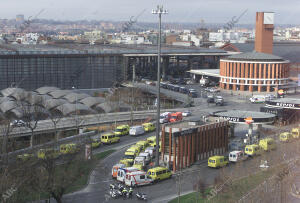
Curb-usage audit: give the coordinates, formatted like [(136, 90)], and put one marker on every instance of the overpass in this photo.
[(69, 123)]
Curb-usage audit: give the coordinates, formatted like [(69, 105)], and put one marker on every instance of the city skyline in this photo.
[(215, 11)]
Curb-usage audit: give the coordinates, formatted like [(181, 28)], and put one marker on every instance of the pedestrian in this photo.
[(124, 192), (130, 192)]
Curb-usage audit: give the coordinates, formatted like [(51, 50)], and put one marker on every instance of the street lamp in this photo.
[(76, 118), (159, 10)]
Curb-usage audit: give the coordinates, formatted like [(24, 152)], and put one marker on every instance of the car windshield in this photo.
[(118, 130), (129, 157)]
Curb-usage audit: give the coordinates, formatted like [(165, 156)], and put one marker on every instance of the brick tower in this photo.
[(264, 32)]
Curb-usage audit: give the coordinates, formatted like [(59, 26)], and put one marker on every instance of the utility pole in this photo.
[(159, 10)]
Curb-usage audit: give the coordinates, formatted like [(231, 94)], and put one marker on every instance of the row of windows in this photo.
[(85, 72)]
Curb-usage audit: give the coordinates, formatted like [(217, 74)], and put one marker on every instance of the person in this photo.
[(124, 192), (130, 192)]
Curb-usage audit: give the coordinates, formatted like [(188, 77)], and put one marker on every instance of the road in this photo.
[(97, 190), (81, 121)]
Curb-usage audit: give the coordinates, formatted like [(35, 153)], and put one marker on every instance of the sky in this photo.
[(211, 11)]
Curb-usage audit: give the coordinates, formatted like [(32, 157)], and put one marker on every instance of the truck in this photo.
[(204, 82), (176, 117)]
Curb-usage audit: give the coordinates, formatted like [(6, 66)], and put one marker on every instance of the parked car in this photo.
[(253, 150), (109, 138), (176, 117), (269, 97), (258, 99), (210, 99), (136, 130), (149, 127), (219, 100), (237, 156), (217, 161), (186, 113), (267, 144), (137, 178), (214, 90), (17, 123), (159, 173), (183, 90), (123, 171), (122, 130)]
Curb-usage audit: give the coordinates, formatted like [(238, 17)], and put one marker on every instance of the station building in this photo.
[(258, 70), (85, 66), (184, 143), (253, 71)]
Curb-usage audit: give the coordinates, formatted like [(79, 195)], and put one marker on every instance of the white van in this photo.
[(258, 99), (236, 156), (151, 151), (123, 171), (147, 156), (137, 178), (140, 163), (136, 130)]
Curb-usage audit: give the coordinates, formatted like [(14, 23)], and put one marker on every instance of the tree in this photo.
[(32, 111), (55, 179)]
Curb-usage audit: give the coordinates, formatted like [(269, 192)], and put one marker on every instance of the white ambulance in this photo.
[(137, 178)]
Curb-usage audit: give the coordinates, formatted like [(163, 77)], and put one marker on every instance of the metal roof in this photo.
[(67, 109), (41, 49), (73, 97), (254, 56), (91, 101), (53, 103), (207, 72), (46, 90), (59, 93)]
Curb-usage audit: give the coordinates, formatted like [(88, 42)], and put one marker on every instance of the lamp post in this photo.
[(76, 118), (159, 10)]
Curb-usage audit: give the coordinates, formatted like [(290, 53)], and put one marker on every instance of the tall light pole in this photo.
[(159, 10)]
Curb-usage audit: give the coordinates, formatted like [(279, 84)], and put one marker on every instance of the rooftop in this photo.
[(254, 56), (73, 49)]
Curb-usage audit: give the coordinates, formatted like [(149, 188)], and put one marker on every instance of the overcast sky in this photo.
[(211, 11)]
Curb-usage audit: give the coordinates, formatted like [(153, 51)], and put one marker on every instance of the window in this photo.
[(153, 173), (119, 174), (142, 177), (164, 171)]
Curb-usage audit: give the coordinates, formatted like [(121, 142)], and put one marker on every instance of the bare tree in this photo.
[(32, 111), (57, 179)]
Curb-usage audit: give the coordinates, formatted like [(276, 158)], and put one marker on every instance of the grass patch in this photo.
[(194, 197), (234, 191), (104, 154)]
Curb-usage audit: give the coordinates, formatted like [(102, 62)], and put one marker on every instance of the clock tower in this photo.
[(264, 32)]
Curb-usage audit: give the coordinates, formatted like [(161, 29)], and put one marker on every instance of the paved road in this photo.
[(97, 190), (81, 121)]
